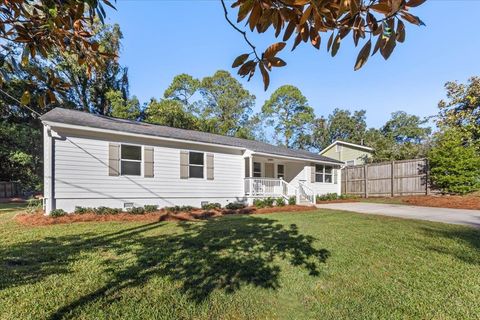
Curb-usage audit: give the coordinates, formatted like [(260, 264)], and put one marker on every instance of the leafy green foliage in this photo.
[(235, 206), (107, 210), (288, 112), (462, 108), (176, 209), (57, 213), (170, 113), (280, 202), (264, 203), (123, 108), (212, 206), (136, 210), (455, 162), (292, 201), (150, 208)]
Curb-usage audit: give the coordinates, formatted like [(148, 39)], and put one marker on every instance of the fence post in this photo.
[(392, 176), (365, 174)]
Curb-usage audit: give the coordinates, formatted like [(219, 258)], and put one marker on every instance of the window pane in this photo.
[(131, 152), (257, 174), (280, 169), (328, 169), (319, 178), (328, 178), (196, 172), (131, 168), (196, 158), (257, 167), (319, 168)]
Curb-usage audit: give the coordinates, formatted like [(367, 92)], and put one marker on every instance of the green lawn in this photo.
[(313, 265)]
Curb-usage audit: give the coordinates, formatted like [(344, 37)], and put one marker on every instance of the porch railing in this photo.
[(268, 187), (306, 193)]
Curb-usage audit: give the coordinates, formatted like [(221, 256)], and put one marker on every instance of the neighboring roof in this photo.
[(358, 146), (84, 119)]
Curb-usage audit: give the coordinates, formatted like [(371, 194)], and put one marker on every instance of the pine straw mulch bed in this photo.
[(444, 201), (39, 219)]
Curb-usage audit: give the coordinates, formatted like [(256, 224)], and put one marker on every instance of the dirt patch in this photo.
[(455, 202), (38, 219)]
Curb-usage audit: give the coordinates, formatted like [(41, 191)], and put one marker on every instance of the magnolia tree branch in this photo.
[(243, 33)]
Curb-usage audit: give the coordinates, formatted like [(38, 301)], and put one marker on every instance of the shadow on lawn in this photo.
[(221, 254), (468, 237)]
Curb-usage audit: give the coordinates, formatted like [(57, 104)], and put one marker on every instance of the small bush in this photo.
[(150, 208), (136, 210), (264, 203), (327, 197), (34, 205), (106, 210), (235, 205), (177, 209), (292, 201), (211, 206), (280, 202), (57, 213), (82, 210)]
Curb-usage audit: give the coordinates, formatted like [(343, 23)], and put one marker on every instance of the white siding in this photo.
[(81, 176), (300, 172)]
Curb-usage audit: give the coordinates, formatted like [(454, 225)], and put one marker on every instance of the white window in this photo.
[(130, 160), (257, 169), (196, 161), (323, 173), (350, 162), (338, 148), (280, 171)]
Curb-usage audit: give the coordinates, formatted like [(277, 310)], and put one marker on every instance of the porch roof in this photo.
[(98, 122)]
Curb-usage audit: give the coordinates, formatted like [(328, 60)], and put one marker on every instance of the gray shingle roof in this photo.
[(79, 118)]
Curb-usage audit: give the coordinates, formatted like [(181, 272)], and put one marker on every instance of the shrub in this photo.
[(455, 162), (136, 210), (177, 209), (106, 210), (280, 202), (82, 210), (327, 197), (264, 203), (211, 206), (150, 208), (57, 213), (292, 201), (235, 205), (34, 205)]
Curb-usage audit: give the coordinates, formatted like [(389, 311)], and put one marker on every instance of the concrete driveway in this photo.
[(453, 216)]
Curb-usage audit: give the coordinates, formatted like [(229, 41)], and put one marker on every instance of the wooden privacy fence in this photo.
[(396, 178), (9, 189)]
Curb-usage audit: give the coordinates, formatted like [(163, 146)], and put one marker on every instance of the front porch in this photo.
[(272, 176)]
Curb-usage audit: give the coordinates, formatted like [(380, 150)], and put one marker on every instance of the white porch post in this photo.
[(250, 173)]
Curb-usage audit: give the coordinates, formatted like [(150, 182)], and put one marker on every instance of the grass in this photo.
[(313, 265)]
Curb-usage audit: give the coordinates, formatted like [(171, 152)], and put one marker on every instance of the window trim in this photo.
[(324, 174), (130, 160), (197, 165)]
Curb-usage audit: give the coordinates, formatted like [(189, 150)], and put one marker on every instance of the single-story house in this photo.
[(92, 161), (349, 153)]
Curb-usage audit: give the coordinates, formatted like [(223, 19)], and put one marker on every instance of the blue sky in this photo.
[(164, 38)]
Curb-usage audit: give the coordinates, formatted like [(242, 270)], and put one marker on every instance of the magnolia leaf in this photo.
[(336, 45), (363, 55), (265, 76), (330, 41), (381, 8), (415, 3), (289, 30), (400, 31), (277, 62), (412, 19), (255, 16), (25, 100), (240, 60), (274, 49), (387, 50), (306, 15)]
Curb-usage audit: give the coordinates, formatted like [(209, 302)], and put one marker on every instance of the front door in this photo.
[(269, 170)]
